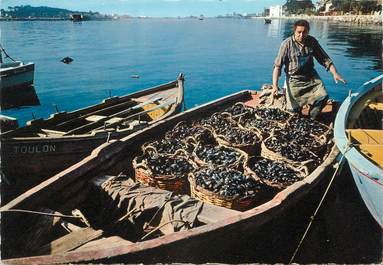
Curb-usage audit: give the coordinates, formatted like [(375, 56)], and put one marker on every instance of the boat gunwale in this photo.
[(258, 215), (341, 138), (364, 168)]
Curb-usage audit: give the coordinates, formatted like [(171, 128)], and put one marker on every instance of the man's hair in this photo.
[(303, 23)]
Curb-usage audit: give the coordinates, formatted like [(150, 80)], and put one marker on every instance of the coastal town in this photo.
[(361, 12)]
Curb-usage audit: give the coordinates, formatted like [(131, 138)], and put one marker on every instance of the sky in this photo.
[(155, 8)]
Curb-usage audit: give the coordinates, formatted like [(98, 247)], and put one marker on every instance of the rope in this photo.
[(159, 227), (6, 54), (339, 165), (42, 213)]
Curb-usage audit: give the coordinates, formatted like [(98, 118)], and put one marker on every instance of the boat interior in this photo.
[(366, 132), (107, 211), (113, 114), (107, 207), (10, 64)]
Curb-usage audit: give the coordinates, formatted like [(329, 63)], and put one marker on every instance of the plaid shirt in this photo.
[(298, 59)]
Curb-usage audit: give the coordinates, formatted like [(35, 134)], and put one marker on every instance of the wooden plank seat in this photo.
[(365, 136), (376, 106), (113, 120), (94, 118), (71, 241), (50, 132), (373, 151), (107, 242)]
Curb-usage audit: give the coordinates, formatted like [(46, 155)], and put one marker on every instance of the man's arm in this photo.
[(337, 77), (276, 75)]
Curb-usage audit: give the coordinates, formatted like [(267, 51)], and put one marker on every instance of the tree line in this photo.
[(341, 6)]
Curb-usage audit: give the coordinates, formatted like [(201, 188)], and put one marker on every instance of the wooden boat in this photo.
[(16, 75), (46, 146), (267, 21), (16, 86), (359, 136), (216, 227)]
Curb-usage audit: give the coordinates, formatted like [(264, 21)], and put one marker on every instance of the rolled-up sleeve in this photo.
[(281, 57), (321, 56)]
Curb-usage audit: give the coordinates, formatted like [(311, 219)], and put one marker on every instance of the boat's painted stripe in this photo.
[(374, 179)]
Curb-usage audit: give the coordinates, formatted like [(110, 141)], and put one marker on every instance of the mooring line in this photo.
[(339, 166), (41, 213)]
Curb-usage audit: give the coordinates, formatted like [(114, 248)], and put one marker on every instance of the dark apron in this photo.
[(303, 90)]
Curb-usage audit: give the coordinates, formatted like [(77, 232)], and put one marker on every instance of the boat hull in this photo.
[(17, 77), (28, 160), (368, 176), (181, 246)]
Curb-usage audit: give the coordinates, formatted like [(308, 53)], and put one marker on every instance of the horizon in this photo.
[(154, 8)]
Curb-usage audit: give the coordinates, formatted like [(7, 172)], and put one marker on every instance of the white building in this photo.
[(276, 11)]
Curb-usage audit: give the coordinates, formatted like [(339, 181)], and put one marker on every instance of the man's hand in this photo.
[(338, 77), (275, 90)]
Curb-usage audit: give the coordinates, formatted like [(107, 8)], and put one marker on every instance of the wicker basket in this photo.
[(250, 149), (321, 137), (282, 122), (243, 156), (237, 116), (299, 168), (167, 182), (264, 133), (222, 116), (270, 154), (205, 195)]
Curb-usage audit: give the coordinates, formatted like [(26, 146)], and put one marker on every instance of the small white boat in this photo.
[(359, 136), (16, 75)]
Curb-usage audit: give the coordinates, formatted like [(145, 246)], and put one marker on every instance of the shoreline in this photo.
[(353, 19)]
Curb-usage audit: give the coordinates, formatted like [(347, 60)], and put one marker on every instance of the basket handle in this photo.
[(181, 151), (192, 138), (303, 167), (142, 165), (150, 147), (322, 138)]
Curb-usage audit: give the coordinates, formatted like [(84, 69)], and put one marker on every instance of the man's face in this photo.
[(301, 33)]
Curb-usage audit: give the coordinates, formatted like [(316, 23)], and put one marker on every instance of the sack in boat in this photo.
[(168, 172)]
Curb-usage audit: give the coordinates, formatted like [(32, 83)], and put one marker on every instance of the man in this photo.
[(304, 86)]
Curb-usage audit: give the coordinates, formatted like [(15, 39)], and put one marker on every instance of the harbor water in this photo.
[(218, 57)]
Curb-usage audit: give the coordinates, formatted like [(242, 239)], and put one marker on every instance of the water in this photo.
[(217, 56)]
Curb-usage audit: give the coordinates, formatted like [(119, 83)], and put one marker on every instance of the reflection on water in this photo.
[(18, 97), (274, 28)]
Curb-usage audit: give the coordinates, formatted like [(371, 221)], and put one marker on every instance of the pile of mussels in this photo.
[(291, 136), (227, 183)]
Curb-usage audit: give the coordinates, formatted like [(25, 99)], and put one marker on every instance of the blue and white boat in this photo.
[(358, 134), (15, 74)]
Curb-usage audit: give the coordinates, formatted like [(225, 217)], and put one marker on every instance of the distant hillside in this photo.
[(28, 11)]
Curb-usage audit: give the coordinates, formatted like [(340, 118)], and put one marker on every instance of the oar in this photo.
[(81, 128), (140, 113)]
